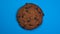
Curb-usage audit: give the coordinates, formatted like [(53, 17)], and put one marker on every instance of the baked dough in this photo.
[(29, 16)]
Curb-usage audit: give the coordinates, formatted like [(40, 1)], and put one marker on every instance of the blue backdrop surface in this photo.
[(51, 19)]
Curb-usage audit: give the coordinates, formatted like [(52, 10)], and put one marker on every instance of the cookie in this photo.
[(29, 16)]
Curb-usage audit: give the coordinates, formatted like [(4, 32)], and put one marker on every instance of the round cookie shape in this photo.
[(29, 16)]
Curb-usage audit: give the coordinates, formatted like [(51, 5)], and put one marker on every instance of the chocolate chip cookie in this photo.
[(29, 16)]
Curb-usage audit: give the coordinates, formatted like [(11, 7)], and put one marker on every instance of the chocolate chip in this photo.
[(36, 8), (30, 25), (28, 20), (39, 12), (30, 6), (35, 18), (26, 10), (22, 16), (26, 7)]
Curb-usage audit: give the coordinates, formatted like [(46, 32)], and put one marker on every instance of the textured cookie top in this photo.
[(29, 16)]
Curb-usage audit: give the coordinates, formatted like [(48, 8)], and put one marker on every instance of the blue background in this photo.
[(51, 19)]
